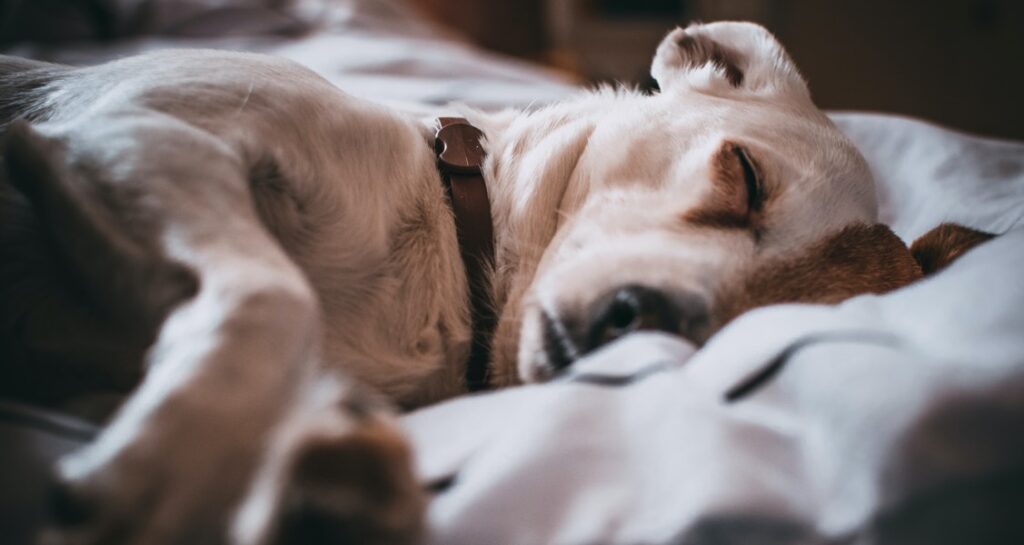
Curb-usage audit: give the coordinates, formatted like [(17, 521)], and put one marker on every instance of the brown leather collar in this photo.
[(459, 157)]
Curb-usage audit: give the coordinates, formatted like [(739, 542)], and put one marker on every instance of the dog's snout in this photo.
[(618, 313), (634, 308)]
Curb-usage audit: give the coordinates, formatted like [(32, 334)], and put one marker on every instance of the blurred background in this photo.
[(956, 62)]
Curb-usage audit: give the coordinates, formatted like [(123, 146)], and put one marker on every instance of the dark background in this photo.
[(956, 62)]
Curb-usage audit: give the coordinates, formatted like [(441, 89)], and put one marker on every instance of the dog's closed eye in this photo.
[(751, 179), (737, 191)]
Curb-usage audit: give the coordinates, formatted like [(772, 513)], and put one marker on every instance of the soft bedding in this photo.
[(890, 419)]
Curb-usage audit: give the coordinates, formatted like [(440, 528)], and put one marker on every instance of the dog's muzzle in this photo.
[(570, 335)]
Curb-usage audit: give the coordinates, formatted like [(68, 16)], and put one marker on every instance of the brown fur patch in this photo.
[(354, 488), (730, 204), (939, 247), (700, 50), (857, 260)]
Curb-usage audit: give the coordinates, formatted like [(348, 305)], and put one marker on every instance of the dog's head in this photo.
[(726, 190)]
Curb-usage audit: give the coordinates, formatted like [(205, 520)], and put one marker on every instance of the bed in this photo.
[(894, 419)]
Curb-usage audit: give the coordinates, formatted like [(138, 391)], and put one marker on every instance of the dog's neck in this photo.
[(460, 157), (531, 158)]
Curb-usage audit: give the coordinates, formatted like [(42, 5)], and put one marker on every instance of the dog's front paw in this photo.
[(341, 474), (353, 489), (98, 511), (160, 485), (335, 469)]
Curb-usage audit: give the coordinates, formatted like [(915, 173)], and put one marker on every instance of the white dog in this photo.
[(246, 228)]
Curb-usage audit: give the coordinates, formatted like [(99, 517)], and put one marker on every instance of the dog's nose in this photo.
[(618, 313), (633, 308)]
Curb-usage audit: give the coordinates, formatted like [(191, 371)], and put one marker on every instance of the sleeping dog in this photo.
[(262, 258)]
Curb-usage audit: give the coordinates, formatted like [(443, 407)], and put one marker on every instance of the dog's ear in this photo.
[(857, 260), (941, 246), (725, 57)]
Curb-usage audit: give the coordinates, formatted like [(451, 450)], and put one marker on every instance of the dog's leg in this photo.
[(332, 475), (147, 195)]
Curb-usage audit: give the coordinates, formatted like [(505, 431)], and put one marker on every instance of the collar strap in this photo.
[(459, 158)]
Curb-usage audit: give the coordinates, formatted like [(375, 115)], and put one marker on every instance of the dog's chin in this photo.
[(533, 362), (544, 352), (564, 321)]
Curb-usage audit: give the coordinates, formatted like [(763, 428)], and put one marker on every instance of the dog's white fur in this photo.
[(349, 257)]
